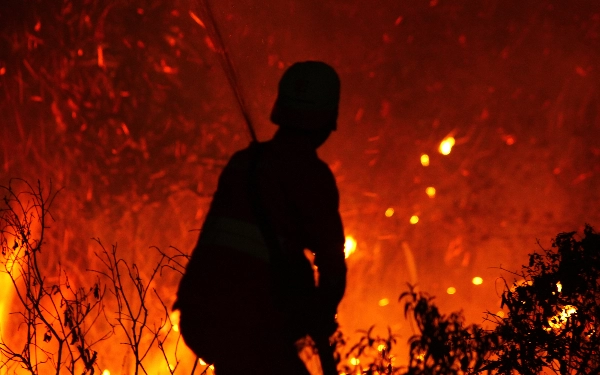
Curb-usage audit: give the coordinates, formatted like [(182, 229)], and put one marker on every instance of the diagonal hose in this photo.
[(226, 63)]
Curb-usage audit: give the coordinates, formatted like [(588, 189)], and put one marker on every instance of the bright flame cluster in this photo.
[(560, 319), (446, 145), (349, 246)]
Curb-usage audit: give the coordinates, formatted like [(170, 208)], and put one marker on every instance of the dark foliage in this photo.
[(553, 316), (551, 322), (443, 345), (54, 316)]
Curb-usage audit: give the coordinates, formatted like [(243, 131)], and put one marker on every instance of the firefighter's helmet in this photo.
[(308, 97)]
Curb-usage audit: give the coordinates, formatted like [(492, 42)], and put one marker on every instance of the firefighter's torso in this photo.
[(230, 266)]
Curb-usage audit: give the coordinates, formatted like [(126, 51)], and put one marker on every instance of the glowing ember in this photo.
[(389, 212), (349, 246), (451, 290), (105, 372), (414, 219), (559, 287), (100, 56), (384, 302), (381, 347), (446, 145), (425, 160), (430, 191), (354, 361), (477, 280), (197, 19)]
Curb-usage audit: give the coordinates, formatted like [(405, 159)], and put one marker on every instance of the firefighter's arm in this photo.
[(319, 209)]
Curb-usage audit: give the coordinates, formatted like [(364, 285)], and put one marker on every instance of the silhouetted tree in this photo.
[(553, 316)]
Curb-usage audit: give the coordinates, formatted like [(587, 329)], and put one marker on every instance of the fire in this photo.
[(6, 285), (174, 316), (349, 246), (446, 145), (560, 319)]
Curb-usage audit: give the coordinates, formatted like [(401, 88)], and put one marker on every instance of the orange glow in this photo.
[(354, 361), (430, 191), (451, 290), (210, 44), (384, 302), (168, 70), (500, 313), (477, 280), (349, 246), (389, 212), (414, 219), (105, 372), (425, 160), (197, 19), (2, 71), (381, 347), (446, 145)]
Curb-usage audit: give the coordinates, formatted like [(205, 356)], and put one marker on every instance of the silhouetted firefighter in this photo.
[(249, 292)]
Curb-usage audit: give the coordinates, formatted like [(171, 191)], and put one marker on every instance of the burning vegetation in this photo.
[(466, 132)]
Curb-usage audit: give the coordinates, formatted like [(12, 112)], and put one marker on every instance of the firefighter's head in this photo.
[(308, 98)]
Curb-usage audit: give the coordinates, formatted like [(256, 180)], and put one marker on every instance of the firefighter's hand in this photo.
[(325, 324)]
